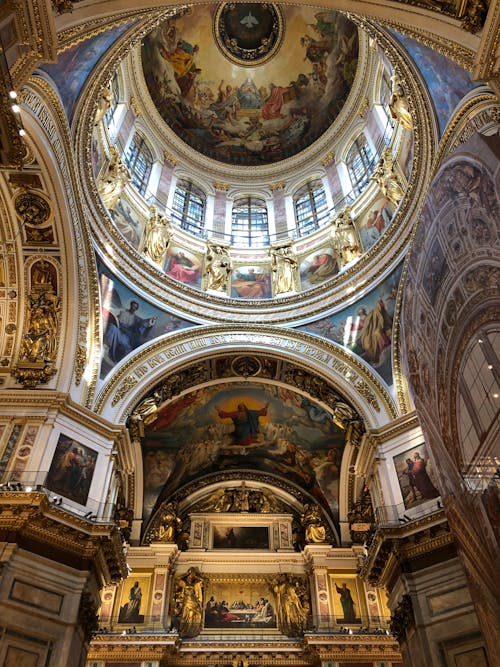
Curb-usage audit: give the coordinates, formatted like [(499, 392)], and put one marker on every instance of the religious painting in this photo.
[(205, 92), (320, 265), (405, 156), (129, 321), (252, 426), (75, 64), (373, 222), (345, 590), (240, 537), (127, 222), (134, 599), (95, 154), (366, 326), (446, 80), (72, 469), (184, 266), (416, 477), (251, 282), (435, 271), (237, 604)]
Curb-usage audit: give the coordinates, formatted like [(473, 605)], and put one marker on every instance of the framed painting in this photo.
[(71, 470), (240, 537), (239, 603), (415, 476), (251, 282), (345, 591), (134, 600), (319, 266)]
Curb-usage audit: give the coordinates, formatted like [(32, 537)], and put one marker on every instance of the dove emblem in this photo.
[(249, 21)]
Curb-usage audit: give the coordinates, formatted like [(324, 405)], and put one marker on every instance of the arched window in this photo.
[(360, 160), (249, 226), (188, 207), (311, 207), (139, 160)]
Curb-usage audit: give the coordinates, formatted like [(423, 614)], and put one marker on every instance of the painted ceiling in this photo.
[(251, 83)]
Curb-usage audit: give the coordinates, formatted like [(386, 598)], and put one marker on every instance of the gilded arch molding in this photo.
[(352, 377)]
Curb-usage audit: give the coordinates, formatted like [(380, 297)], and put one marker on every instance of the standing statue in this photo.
[(292, 605), (345, 236), (398, 104), (170, 524), (104, 105), (217, 267), (113, 182), (188, 599), (284, 267), (384, 175), (314, 530), (40, 340), (156, 236)]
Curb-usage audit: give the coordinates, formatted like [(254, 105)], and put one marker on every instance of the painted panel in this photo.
[(71, 470), (416, 477)]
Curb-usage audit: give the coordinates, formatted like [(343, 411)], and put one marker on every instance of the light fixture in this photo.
[(29, 489), (12, 94), (16, 108), (22, 132)]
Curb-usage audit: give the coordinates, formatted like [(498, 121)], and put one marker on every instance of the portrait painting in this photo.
[(129, 321), (75, 64), (240, 537), (345, 590), (373, 222), (365, 327), (318, 266), (128, 222), (184, 266), (237, 604), (256, 425), (251, 116), (415, 476), (435, 271), (134, 599), (72, 469), (251, 282)]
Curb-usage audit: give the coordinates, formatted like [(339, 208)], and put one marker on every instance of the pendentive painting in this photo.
[(204, 90), (248, 425), (239, 604), (128, 321), (366, 326), (416, 476), (240, 537), (71, 470), (319, 266)]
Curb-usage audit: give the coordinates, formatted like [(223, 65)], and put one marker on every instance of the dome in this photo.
[(252, 83)]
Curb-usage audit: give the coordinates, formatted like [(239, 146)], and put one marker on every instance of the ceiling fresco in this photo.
[(243, 425), (206, 74)]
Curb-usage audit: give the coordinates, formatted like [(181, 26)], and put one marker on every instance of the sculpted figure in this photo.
[(386, 178), (345, 236), (188, 600), (314, 529), (217, 267), (283, 267), (148, 408), (40, 341), (104, 105), (398, 104), (170, 524), (292, 605), (156, 236), (115, 179)]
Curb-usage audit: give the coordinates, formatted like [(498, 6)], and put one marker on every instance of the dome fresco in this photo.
[(247, 86)]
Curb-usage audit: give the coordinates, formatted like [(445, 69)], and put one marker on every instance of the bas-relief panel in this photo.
[(250, 426), (36, 596), (251, 116), (129, 321), (366, 326), (71, 470), (415, 476), (447, 82), (75, 64)]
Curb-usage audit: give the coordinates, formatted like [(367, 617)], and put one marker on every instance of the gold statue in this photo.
[(156, 236), (217, 267), (188, 599), (40, 340), (170, 524), (398, 104), (314, 529), (104, 105), (292, 605), (386, 178), (112, 184), (345, 236), (283, 266)]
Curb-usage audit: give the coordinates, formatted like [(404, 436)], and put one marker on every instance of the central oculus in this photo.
[(248, 33)]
